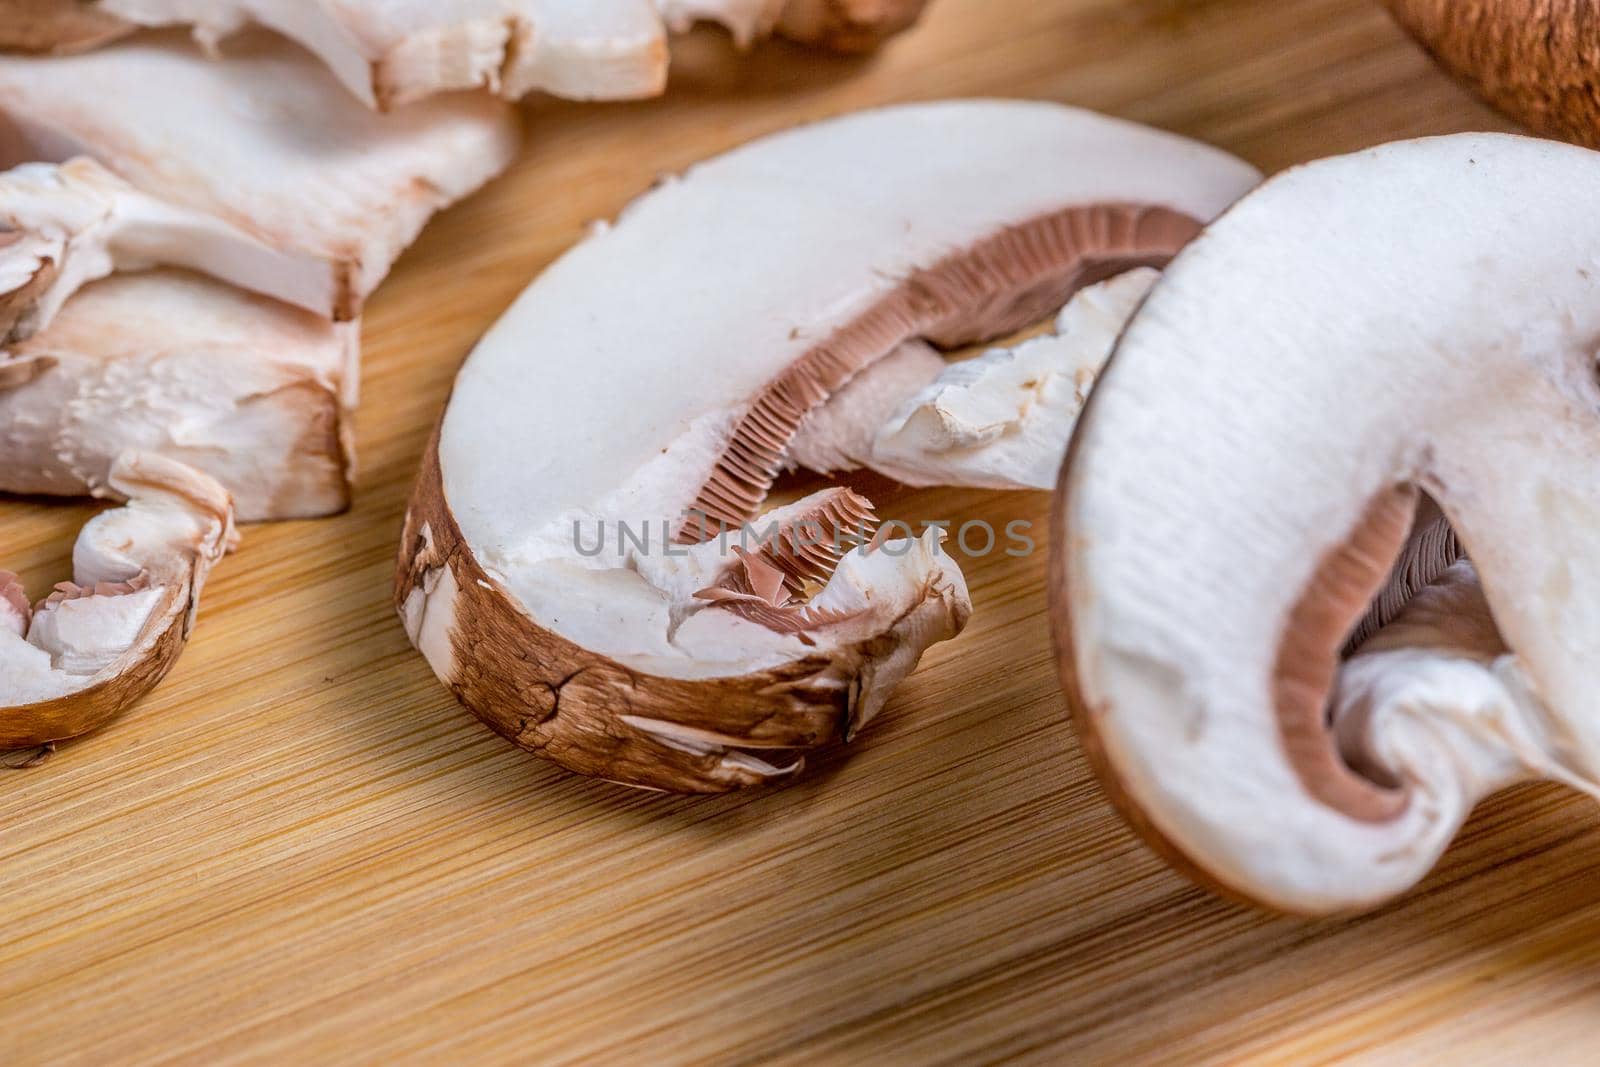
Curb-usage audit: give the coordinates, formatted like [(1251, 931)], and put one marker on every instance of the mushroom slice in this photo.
[(566, 590), (391, 54), (62, 226), (256, 394), (103, 640), (265, 143), (998, 421), (1249, 468)]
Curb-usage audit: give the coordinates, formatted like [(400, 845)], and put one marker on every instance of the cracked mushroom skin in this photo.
[(100, 642), (1245, 481), (254, 393), (1536, 60), (392, 54), (299, 167), (685, 663)]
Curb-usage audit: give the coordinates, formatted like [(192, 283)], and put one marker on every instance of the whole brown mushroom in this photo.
[(1536, 60)]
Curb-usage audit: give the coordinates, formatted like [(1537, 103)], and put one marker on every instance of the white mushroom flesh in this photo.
[(298, 165), (66, 225), (254, 393), (795, 236)]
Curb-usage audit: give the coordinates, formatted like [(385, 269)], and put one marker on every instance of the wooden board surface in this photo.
[(301, 850)]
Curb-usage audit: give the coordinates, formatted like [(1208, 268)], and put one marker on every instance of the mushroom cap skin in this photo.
[(392, 53), (666, 399), (1536, 60), (63, 225), (254, 393), (1247, 470), (299, 166), (100, 642)]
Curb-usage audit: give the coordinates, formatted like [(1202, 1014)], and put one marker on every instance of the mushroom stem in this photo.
[(1437, 701)]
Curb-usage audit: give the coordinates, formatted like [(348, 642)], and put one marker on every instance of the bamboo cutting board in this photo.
[(301, 850)]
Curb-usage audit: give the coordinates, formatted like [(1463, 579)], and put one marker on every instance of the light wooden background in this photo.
[(301, 850)]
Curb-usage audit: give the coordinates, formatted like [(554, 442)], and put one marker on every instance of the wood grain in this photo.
[(300, 849)]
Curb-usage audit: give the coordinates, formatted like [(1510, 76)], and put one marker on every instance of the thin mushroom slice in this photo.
[(256, 394), (1000, 420), (100, 642), (388, 55), (62, 226), (294, 164), (569, 594), (1241, 497)]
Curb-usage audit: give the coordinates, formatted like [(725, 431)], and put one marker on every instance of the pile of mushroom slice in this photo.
[(390, 54), (655, 380), (190, 398), (1361, 345)]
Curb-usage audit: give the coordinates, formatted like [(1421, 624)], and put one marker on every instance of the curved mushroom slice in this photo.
[(256, 394), (296, 165), (63, 226), (1249, 467), (818, 252), (998, 421), (103, 640)]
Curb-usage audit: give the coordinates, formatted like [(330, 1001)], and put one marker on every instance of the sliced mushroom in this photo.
[(389, 54), (256, 394), (1536, 60), (100, 642), (266, 143), (1245, 480), (625, 396), (62, 226)]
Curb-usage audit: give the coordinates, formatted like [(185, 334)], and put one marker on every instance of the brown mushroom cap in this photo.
[(1536, 60)]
